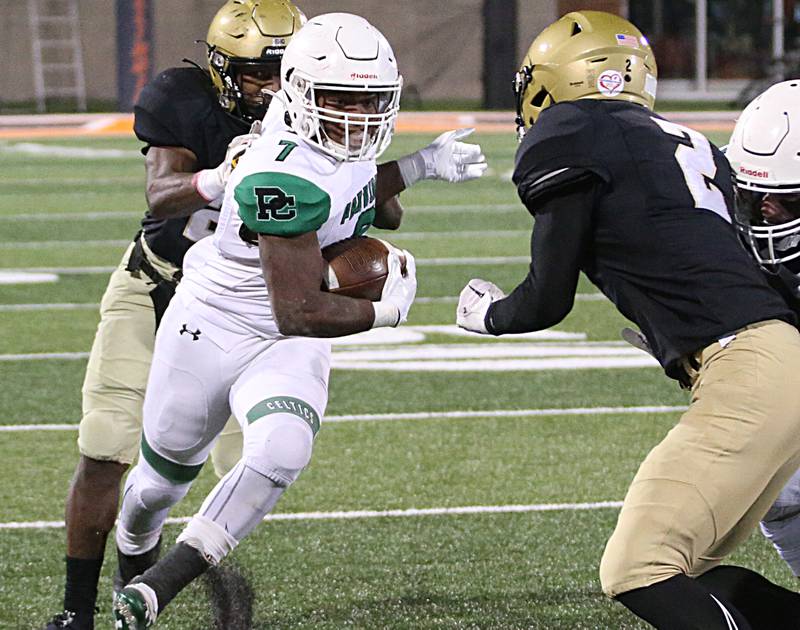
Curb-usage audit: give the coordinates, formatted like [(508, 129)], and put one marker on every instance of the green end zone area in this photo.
[(534, 569)]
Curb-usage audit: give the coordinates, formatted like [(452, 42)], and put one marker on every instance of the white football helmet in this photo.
[(340, 52), (764, 152)]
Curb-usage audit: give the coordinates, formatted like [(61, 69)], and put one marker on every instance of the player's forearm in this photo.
[(173, 196), (389, 216), (388, 182), (528, 308), (558, 245), (323, 315)]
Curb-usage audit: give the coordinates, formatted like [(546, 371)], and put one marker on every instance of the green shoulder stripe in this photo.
[(281, 204)]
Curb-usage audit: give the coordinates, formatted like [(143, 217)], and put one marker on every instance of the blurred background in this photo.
[(94, 55)]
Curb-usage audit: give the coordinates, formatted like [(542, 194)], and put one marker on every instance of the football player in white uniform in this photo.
[(245, 331), (765, 154)]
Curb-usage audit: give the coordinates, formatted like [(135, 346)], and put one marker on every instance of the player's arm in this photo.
[(293, 268), (558, 179), (176, 186), (170, 191), (286, 211), (446, 158), (559, 243), (388, 186)]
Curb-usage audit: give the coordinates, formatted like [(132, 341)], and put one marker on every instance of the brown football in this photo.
[(357, 267)]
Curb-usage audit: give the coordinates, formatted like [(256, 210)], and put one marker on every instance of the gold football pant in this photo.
[(704, 488), (116, 375)]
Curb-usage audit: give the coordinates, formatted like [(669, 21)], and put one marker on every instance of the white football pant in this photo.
[(205, 367)]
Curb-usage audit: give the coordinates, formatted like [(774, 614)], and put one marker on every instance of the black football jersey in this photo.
[(657, 237), (179, 108)]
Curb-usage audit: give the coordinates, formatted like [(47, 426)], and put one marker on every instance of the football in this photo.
[(356, 267)]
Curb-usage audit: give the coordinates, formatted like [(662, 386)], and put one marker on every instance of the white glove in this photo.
[(473, 303), (398, 290), (210, 182), (445, 158)]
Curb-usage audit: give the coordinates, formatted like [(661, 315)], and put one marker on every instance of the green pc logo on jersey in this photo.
[(274, 204), (281, 204)]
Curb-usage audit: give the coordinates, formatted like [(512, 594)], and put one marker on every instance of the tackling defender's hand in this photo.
[(474, 302), (210, 182), (398, 290), (445, 158)]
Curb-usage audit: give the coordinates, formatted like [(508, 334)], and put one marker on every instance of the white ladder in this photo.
[(57, 55)]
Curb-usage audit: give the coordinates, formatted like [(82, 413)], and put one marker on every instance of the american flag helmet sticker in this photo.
[(627, 40)]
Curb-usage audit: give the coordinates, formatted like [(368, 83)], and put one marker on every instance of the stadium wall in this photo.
[(439, 51)]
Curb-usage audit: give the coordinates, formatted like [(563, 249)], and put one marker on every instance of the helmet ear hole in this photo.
[(576, 29), (539, 98)]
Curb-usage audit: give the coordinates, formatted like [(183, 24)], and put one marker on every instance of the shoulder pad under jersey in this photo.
[(171, 108), (557, 152)]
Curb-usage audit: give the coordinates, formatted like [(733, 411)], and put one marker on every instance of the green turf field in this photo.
[(484, 438)]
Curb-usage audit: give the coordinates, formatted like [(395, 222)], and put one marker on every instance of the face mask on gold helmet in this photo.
[(247, 36), (585, 54)]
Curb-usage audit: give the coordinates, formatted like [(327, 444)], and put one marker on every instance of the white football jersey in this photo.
[(281, 186)]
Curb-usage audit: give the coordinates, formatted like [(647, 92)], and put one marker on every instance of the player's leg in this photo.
[(781, 525), (702, 489), (763, 603), (279, 399), (108, 440), (227, 450), (185, 408)]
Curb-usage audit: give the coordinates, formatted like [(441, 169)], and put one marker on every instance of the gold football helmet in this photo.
[(585, 54), (248, 35)]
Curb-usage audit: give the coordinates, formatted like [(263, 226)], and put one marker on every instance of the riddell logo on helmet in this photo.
[(754, 172), (359, 75)]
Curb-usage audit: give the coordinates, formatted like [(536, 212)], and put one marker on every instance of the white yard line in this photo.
[(502, 365), (27, 278), (71, 216), (77, 271), (394, 350), (491, 350), (55, 306), (68, 152), (56, 244), (363, 514), (620, 361), (401, 350), (44, 356), (426, 415), (79, 181)]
